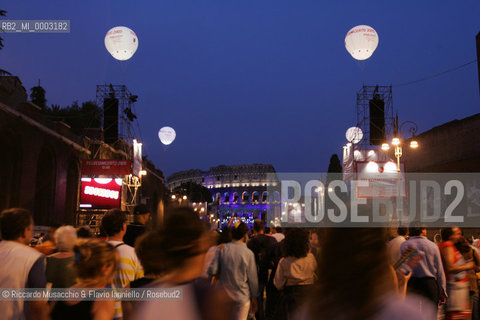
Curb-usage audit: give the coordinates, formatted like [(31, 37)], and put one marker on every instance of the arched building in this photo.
[(247, 191), (41, 163)]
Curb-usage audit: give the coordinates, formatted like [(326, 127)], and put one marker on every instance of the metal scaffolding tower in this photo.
[(126, 133), (364, 96), (125, 104)]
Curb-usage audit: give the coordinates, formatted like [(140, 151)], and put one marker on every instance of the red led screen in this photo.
[(100, 193)]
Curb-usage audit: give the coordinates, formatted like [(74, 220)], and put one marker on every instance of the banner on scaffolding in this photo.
[(137, 158), (379, 179), (106, 167)]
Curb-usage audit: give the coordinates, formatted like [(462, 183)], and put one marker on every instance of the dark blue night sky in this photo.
[(252, 81)]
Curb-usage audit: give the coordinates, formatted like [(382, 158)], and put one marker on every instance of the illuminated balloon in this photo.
[(121, 42), (361, 42), (166, 135), (354, 135)]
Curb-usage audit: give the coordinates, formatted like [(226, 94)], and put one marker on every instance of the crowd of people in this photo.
[(447, 270), (240, 273)]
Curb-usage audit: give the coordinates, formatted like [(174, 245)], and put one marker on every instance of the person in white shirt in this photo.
[(277, 234), (393, 245), (236, 269), (295, 272), (21, 266)]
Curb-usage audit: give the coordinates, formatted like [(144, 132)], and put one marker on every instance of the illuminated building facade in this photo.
[(239, 190)]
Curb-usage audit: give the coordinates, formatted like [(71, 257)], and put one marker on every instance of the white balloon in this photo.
[(361, 41), (121, 42), (166, 135), (354, 135)]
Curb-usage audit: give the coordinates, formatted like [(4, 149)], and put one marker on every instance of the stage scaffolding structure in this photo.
[(126, 134), (125, 103), (364, 96)]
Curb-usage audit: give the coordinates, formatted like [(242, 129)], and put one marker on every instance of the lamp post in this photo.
[(410, 128), (396, 142), (178, 199)]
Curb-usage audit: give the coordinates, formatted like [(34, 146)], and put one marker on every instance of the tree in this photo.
[(334, 173), (334, 165), (37, 96), (194, 191), (334, 169), (3, 13), (88, 115), (92, 114), (77, 117)]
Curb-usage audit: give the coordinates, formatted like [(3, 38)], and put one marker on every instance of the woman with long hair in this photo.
[(470, 254), (295, 272), (95, 264), (456, 271)]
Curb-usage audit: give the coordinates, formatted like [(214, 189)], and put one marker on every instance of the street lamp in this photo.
[(412, 128)]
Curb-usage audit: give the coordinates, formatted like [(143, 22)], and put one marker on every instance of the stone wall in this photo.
[(451, 147)]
